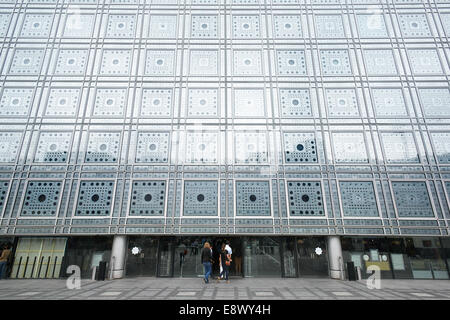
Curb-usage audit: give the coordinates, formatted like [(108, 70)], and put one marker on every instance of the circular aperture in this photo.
[(248, 62), (252, 198), (71, 61), (15, 101), (109, 102), (36, 25), (335, 62), (300, 147), (204, 26), (95, 198), (152, 147), (26, 61), (287, 25), (203, 102), (200, 198), (148, 197), (115, 61), (42, 198), (295, 102), (305, 198), (291, 62), (159, 62), (103, 147), (53, 147), (246, 26)]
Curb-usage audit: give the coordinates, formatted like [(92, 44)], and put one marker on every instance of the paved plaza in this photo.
[(239, 288)]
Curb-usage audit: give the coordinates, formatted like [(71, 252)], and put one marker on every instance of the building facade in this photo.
[(309, 133)]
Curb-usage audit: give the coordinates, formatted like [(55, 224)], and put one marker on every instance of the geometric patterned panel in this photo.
[(379, 62), (335, 62), (291, 62), (9, 146), (201, 147), (287, 26), (53, 147), (436, 101), (71, 62), (424, 61), (103, 147), (305, 198), (152, 147), (342, 102), (156, 102), (4, 23), (371, 26), (247, 62), (116, 62), (204, 26), (252, 198), (163, 26), (16, 101), (414, 25), (249, 103), (95, 198), (358, 199), (349, 147), (110, 102), (246, 27), (200, 198), (121, 26), (41, 198), (295, 102), (147, 198), (27, 61), (204, 62), (79, 25), (3, 194), (36, 26), (250, 147), (441, 143), (160, 62), (389, 102), (63, 102), (399, 147), (299, 147), (412, 199), (329, 26), (203, 102)]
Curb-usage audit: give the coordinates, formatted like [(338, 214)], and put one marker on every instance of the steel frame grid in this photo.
[(273, 82)]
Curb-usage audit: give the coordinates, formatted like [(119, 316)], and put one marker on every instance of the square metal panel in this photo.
[(153, 147), (148, 198), (160, 62), (287, 26), (414, 25), (71, 62), (435, 101), (27, 61), (5, 19), (110, 102), (163, 26), (200, 198), (116, 62), (246, 27), (424, 61), (389, 102), (441, 142), (16, 101), (251, 147), (291, 62), (300, 147), (412, 199), (380, 62), (329, 26), (204, 62), (95, 198), (10, 143), (252, 198), (202, 147), (399, 147), (358, 199), (53, 147), (79, 25), (305, 198), (349, 147), (371, 26), (249, 103), (103, 147), (121, 26), (203, 102), (63, 102), (204, 26), (295, 102), (41, 198), (156, 102), (342, 102), (247, 62), (335, 62), (37, 25)]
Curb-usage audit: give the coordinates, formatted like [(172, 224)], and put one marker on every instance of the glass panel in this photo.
[(165, 265), (289, 267), (142, 256), (187, 259), (262, 257), (426, 258), (312, 257)]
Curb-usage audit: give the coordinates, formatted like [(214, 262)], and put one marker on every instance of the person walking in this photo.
[(4, 260), (225, 262), (206, 260)]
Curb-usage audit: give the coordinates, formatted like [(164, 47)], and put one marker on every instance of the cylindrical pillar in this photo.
[(118, 253), (335, 257)]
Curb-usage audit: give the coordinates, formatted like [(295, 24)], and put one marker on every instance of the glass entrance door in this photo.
[(262, 257), (312, 257), (187, 258), (142, 256), (165, 257)]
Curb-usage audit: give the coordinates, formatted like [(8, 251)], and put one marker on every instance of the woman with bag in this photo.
[(206, 260), (225, 262)]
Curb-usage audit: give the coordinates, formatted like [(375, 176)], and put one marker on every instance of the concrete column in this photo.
[(118, 252), (335, 257)]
